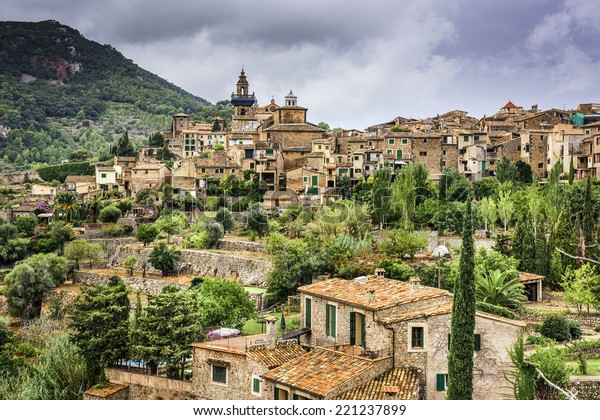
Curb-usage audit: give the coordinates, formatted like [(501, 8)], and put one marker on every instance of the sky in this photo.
[(354, 63)]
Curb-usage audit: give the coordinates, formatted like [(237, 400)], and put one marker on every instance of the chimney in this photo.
[(414, 283), (380, 272), (271, 322), (370, 296)]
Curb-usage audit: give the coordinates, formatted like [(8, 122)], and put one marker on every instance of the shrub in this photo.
[(574, 330), (225, 218), (556, 327), (146, 233), (214, 231), (597, 329), (113, 230), (199, 240), (396, 269), (495, 310), (540, 340), (5, 332), (110, 214)]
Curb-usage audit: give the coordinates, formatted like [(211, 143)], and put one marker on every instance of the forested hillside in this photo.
[(60, 92)]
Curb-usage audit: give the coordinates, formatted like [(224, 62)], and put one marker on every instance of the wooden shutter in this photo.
[(275, 393), (440, 382), (477, 342), (315, 180), (352, 328), (399, 154), (308, 313), (334, 320), (362, 330), (327, 332)]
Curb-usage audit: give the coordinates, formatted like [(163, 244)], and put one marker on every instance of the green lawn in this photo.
[(253, 326), (251, 289), (593, 366)]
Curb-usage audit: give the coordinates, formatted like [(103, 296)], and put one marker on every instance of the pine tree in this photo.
[(462, 340)]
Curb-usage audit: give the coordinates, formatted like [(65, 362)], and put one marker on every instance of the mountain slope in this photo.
[(56, 83)]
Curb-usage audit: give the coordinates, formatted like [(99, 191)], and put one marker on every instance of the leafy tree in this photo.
[(218, 147), (505, 207), (6, 335), (214, 232), (344, 186), (80, 155), (25, 288), (294, 265), (400, 243), (225, 218), (164, 259), (55, 265), (156, 140), (324, 126), (166, 329), (12, 247), (462, 342), (110, 214), (66, 206), (396, 269), (27, 225), (100, 321), (588, 222), (146, 233), (129, 264), (523, 172), (404, 197), (552, 363), (524, 246), (224, 303), (124, 146), (256, 219), (76, 251), (381, 194), (498, 288), (60, 233), (581, 287), (506, 170), (171, 224)]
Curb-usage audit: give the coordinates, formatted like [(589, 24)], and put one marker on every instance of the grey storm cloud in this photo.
[(354, 64)]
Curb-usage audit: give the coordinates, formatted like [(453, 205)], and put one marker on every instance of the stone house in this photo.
[(306, 180), (217, 166), (108, 178), (378, 317), (232, 368), (45, 190), (149, 175), (589, 156), (279, 200)]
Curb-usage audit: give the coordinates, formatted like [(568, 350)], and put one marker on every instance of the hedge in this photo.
[(495, 310), (60, 172)]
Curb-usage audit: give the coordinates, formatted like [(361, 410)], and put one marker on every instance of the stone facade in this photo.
[(240, 246), (143, 285), (585, 387), (151, 387)]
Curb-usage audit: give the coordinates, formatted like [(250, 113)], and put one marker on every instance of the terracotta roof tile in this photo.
[(402, 382), (529, 276), (422, 313), (374, 294), (320, 371), (273, 358)]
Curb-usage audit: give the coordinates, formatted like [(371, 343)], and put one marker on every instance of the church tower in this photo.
[(241, 100)]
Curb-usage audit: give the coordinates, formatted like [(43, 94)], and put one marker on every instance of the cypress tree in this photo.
[(591, 250), (524, 248), (462, 340)]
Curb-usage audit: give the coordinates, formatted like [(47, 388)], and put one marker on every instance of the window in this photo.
[(422, 153), (308, 313), (441, 382), (219, 374), (391, 141), (280, 394), (103, 176), (404, 141), (416, 337), (527, 148), (305, 179), (357, 329), (540, 165), (476, 138), (300, 397), (330, 320), (424, 140), (256, 385), (466, 138), (269, 152), (587, 132), (319, 147), (389, 152)]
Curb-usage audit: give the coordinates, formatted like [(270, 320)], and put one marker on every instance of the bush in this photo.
[(495, 310), (27, 225), (6, 334), (199, 240), (574, 330), (60, 172), (540, 340), (110, 214), (214, 231), (556, 327), (597, 329), (396, 269), (113, 230)]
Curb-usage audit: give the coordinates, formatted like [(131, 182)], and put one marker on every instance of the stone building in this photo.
[(149, 175), (232, 368), (377, 318)]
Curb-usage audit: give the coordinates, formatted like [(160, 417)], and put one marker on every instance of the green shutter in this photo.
[(256, 385), (352, 328), (399, 154), (295, 396), (275, 393), (362, 330), (315, 180), (477, 342), (448, 341), (440, 382), (333, 324), (327, 320), (308, 313)]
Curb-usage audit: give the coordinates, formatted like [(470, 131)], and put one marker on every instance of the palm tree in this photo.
[(66, 206), (500, 288)]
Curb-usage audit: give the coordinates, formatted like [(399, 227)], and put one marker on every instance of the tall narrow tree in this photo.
[(462, 339)]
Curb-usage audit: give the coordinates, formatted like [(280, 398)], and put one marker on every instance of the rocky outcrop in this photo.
[(145, 285)]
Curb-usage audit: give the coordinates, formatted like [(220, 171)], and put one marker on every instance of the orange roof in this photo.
[(374, 294), (320, 371), (276, 357), (423, 313), (402, 383), (509, 105), (529, 276)]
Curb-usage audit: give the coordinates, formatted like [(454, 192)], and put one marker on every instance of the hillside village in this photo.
[(350, 237)]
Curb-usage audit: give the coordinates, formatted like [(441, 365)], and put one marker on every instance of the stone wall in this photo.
[(19, 177), (151, 387), (110, 392), (588, 387), (245, 270), (143, 285), (240, 246)]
